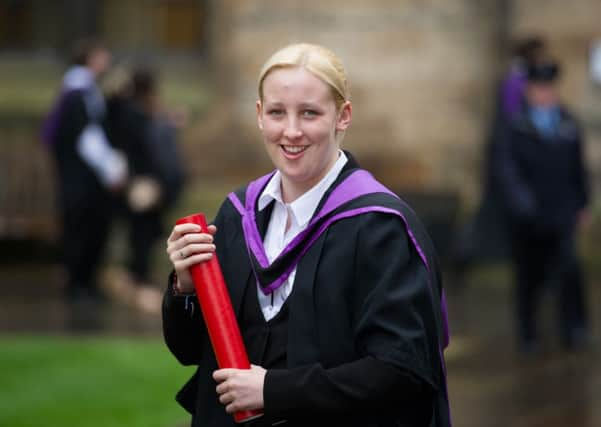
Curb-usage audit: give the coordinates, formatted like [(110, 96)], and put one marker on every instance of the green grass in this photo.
[(89, 382)]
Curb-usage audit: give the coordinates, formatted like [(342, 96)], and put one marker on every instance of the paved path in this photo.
[(491, 385)]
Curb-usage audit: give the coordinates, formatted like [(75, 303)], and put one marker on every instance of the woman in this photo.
[(333, 279)]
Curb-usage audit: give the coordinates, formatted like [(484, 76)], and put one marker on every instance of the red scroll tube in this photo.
[(219, 315)]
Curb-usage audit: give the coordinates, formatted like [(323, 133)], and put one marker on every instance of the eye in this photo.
[(275, 112), (310, 113)]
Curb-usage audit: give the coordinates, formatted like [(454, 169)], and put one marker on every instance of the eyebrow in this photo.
[(272, 104), (314, 105), (301, 105)]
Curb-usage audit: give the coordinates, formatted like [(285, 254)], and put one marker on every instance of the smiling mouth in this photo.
[(294, 149)]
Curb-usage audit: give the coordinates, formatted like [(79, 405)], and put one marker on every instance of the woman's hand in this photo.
[(187, 246), (240, 389)]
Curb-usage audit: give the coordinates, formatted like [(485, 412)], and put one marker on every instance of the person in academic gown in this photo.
[(333, 279), (89, 169)]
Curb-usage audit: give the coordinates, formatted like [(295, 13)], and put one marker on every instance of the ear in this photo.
[(259, 114), (344, 117)]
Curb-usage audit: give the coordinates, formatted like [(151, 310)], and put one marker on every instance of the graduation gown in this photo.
[(367, 288), (82, 198)]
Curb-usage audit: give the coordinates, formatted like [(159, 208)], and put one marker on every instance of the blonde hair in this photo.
[(318, 60)]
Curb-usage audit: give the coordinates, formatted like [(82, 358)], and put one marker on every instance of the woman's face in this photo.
[(299, 121)]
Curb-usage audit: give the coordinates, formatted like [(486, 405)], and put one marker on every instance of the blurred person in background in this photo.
[(89, 169), (148, 136), (539, 169), (527, 51), (334, 280), (485, 235)]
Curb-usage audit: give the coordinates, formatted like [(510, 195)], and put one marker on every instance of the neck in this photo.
[(292, 191)]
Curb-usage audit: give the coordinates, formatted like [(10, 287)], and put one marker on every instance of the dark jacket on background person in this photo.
[(150, 146), (127, 128), (542, 179), (543, 185)]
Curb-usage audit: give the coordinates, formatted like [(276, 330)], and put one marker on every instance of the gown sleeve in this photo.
[(183, 326)]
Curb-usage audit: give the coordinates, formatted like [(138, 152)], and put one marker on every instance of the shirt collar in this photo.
[(302, 208)]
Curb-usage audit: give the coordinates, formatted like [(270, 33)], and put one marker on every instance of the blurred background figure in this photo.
[(527, 51), (89, 169), (485, 236), (539, 170), (148, 136)]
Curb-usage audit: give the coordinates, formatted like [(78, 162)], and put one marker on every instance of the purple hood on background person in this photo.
[(52, 120), (512, 91), (76, 80)]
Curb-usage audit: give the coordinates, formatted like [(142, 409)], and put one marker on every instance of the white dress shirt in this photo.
[(298, 214)]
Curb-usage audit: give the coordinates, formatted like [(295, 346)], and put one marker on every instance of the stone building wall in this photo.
[(421, 73)]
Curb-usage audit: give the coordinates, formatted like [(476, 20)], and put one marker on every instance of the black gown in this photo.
[(366, 321), (84, 202)]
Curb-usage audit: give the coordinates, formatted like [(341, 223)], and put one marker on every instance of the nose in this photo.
[(292, 130)]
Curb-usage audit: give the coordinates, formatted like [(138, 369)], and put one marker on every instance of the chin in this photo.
[(294, 175)]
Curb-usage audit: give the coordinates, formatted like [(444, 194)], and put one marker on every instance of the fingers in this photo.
[(230, 403), (186, 240), (229, 396), (226, 398), (181, 229), (187, 233), (223, 374), (185, 264), (240, 389), (186, 252), (225, 387), (188, 246)]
